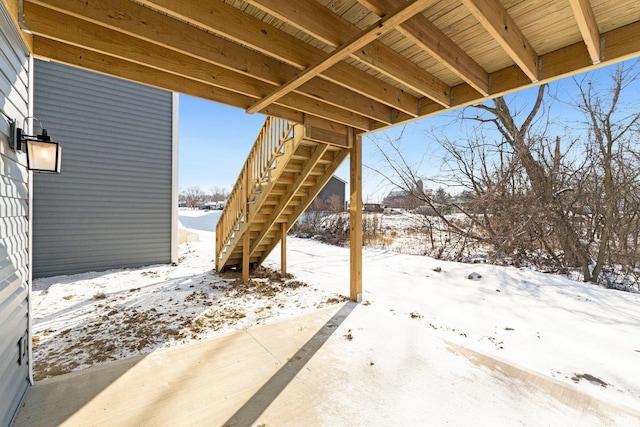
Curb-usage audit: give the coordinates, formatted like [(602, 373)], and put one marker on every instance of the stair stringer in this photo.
[(257, 194), (321, 181)]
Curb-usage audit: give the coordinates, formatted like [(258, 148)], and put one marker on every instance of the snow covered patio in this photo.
[(331, 367)]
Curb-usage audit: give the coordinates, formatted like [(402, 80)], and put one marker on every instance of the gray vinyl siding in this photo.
[(14, 224), (111, 205)]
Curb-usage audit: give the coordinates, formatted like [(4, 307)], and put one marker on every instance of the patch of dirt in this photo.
[(499, 344), (269, 273), (588, 377), (333, 301), (151, 274), (259, 288), (112, 326), (294, 284), (212, 320)]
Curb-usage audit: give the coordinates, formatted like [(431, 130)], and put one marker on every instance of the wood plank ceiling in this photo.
[(366, 64)]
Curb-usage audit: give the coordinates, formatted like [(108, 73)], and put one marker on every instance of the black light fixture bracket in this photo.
[(18, 139)]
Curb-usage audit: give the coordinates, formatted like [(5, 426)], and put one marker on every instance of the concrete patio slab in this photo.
[(327, 368)]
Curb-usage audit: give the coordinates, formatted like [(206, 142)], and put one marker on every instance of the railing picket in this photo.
[(261, 156)]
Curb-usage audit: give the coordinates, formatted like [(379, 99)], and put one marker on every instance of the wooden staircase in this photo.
[(284, 172)]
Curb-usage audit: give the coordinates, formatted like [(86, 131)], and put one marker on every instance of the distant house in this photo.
[(399, 199), (333, 194), (403, 199)]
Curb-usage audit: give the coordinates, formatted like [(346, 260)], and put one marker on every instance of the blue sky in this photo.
[(215, 139)]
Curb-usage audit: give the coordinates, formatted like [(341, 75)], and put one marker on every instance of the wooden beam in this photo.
[(76, 32), (371, 87), (316, 107), (622, 44), (55, 25), (227, 21), (390, 63), (312, 121), (283, 250), (245, 255), (355, 219), (335, 95), (159, 29), (325, 136), (104, 64), (309, 16), (497, 21), (59, 26), (588, 27), (432, 40), (365, 37)]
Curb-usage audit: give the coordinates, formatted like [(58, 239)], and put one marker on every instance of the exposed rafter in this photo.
[(237, 53), (436, 43), (229, 22), (622, 44), (588, 27), (72, 30), (338, 31), (83, 58), (158, 28), (497, 21), (359, 41)]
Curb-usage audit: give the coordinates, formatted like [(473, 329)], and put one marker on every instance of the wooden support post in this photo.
[(283, 250), (355, 217), (245, 255)]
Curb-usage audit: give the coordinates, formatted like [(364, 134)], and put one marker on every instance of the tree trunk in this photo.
[(576, 254)]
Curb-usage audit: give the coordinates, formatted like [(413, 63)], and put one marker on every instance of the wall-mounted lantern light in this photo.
[(43, 155)]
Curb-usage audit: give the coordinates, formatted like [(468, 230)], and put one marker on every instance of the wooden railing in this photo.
[(262, 157)]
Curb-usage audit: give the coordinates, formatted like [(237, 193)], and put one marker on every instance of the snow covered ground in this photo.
[(92, 318), (579, 334)]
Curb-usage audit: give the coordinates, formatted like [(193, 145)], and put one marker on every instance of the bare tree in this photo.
[(543, 185), (612, 144), (193, 196), (217, 194), (403, 173), (568, 202)]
